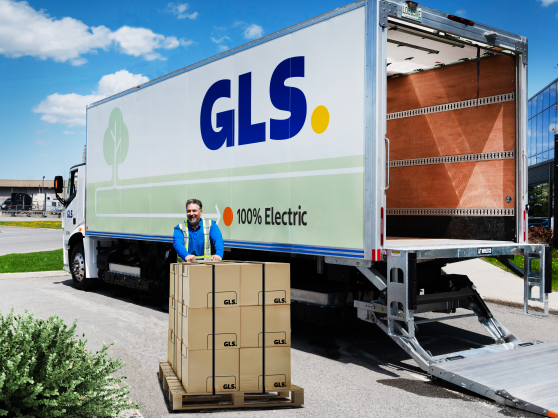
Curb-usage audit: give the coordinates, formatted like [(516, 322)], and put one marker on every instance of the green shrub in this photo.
[(46, 371)]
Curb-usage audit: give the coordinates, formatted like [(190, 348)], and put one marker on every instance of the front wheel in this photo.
[(77, 267)]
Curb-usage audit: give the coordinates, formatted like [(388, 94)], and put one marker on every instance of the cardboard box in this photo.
[(195, 327), (277, 369), (195, 370), (277, 284), (172, 315), (171, 349), (277, 326), (192, 283)]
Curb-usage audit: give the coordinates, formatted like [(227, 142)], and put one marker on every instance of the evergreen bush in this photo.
[(46, 371)]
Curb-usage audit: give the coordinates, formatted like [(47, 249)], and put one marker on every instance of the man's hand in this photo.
[(216, 258), (190, 258)]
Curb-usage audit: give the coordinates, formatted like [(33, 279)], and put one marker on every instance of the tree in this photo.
[(116, 141)]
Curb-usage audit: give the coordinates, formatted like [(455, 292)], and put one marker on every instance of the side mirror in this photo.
[(58, 184)]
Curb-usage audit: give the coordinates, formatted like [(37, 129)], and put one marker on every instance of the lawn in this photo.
[(519, 261), (34, 224), (23, 263)]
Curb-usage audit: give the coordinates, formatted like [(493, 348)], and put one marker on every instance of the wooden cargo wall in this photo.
[(463, 132)]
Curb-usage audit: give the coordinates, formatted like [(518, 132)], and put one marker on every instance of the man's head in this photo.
[(194, 211)]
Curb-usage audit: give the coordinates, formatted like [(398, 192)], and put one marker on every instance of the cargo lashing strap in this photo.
[(213, 326), (263, 328), (213, 323), (206, 239)]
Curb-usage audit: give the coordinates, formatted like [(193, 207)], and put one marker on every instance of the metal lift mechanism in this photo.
[(510, 372)]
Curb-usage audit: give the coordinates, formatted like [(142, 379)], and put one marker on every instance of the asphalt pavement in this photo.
[(352, 372), (29, 240)]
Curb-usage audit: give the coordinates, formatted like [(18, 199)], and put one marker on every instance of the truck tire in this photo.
[(77, 267)]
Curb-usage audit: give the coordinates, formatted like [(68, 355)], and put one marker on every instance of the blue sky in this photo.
[(56, 57)]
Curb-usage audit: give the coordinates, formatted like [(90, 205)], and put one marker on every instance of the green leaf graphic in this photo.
[(116, 140)]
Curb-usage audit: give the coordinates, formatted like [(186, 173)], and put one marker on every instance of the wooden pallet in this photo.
[(181, 400)]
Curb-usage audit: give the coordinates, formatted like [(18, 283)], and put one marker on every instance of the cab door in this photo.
[(73, 217), (70, 221)]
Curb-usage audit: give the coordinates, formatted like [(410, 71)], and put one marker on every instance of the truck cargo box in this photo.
[(274, 136)]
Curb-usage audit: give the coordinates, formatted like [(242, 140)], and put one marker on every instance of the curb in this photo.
[(533, 306), (30, 227), (32, 252), (34, 274)]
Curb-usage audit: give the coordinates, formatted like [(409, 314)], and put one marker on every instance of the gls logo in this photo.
[(279, 300), (229, 301), (282, 97), (280, 385), (229, 386), (279, 342), (230, 344)]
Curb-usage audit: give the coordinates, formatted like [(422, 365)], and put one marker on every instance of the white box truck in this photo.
[(368, 147)]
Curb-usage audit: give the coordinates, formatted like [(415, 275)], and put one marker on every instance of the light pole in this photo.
[(43, 185)]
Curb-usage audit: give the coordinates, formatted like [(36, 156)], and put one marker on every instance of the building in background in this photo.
[(31, 187), (543, 124)]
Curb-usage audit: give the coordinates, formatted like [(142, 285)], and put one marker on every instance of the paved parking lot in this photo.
[(355, 372), (29, 240)]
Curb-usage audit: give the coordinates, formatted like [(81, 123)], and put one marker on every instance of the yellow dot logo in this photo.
[(320, 119)]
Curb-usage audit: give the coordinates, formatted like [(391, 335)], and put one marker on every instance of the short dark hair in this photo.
[(195, 201)]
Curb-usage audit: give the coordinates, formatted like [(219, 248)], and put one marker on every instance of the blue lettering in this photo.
[(287, 98), (225, 120), (247, 133)]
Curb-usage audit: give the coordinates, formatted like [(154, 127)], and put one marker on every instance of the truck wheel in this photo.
[(77, 267)]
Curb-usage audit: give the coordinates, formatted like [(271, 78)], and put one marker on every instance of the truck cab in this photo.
[(73, 223)]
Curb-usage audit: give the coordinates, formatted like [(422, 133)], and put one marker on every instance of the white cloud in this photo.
[(253, 31), (220, 40), (461, 12), (66, 109), (68, 132), (69, 109), (41, 131), (42, 143), (42, 154), (547, 3), (140, 41), (180, 11), (25, 31), (119, 81)]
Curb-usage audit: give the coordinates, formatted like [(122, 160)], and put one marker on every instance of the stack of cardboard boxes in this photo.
[(217, 341)]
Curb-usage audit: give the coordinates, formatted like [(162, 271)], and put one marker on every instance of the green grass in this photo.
[(24, 263), (519, 261), (34, 224)]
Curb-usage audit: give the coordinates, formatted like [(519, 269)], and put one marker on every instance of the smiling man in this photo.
[(197, 238)]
